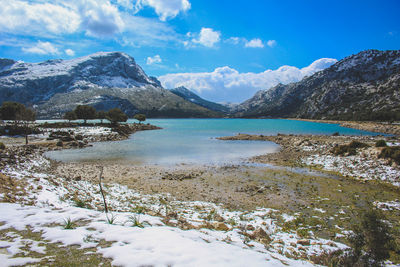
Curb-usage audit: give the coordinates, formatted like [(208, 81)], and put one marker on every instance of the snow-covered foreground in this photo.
[(158, 238), (155, 244)]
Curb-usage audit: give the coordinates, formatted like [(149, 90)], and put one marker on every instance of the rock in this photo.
[(81, 144), (220, 226), (218, 218), (278, 241), (261, 236), (303, 242), (250, 227)]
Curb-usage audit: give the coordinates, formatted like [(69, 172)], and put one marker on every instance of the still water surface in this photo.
[(192, 141)]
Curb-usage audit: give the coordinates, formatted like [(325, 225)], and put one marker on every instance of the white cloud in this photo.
[(125, 3), (233, 40), (153, 60), (42, 48), (165, 9), (69, 52), (33, 18), (97, 18), (100, 18), (254, 43), (227, 84), (147, 31), (207, 37), (271, 43)]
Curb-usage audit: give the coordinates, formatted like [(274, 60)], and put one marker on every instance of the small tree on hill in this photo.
[(70, 116), (140, 117), (101, 115), (85, 112), (17, 112), (115, 115)]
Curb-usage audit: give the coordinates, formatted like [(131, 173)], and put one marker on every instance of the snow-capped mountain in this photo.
[(104, 80), (364, 86)]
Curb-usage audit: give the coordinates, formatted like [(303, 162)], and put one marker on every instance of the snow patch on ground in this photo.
[(357, 166), (391, 205)]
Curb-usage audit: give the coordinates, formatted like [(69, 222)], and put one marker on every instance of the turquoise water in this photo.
[(193, 141)]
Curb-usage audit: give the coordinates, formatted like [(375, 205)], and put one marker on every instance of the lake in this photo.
[(192, 141)]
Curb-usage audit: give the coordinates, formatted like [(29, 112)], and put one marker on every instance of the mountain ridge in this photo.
[(103, 79), (364, 86), (194, 98)]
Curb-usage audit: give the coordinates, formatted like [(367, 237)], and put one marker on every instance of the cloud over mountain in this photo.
[(227, 84), (165, 9)]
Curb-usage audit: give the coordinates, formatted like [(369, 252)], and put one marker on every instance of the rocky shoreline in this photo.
[(317, 151), (57, 138), (377, 127)]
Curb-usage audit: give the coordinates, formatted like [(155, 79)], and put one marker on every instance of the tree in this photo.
[(26, 115), (140, 117), (9, 110), (115, 115), (70, 116), (101, 115), (85, 112), (18, 113)]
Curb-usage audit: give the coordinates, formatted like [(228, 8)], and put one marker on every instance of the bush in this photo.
[(392, 153), (349, 149), (2, 145), (370, 243), (380, 143), (372, 235), (357, 144)]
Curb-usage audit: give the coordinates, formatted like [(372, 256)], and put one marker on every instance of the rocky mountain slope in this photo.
[(104, 80), (192, 97), (365, 86)]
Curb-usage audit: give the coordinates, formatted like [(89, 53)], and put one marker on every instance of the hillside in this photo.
[(192, 97), (365, 86), (103, 80)]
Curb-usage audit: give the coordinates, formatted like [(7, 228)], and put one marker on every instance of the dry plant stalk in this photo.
[(101, 189)]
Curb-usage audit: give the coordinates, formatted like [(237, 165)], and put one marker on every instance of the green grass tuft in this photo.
[(69, 224)]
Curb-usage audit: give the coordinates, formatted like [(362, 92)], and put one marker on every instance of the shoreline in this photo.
[(377, 127), (316, 152)]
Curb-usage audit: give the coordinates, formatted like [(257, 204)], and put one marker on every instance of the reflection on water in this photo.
[(193, 141)]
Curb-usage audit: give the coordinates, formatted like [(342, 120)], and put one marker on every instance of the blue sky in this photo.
[(200, 36)]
